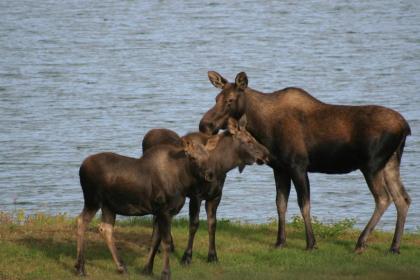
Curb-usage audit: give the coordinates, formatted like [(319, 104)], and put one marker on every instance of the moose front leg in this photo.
[(156, 238), (154, 221), (164, 224), (211, 209), (195, 204)]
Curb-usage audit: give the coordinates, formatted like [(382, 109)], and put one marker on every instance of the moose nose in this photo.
[(263, 160), (266, 159), (206, 127)]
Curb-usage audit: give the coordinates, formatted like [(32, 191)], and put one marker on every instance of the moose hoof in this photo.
[(394, 251), (80, 270), (212, 257), (147, 270), (186, 259), (81, 273), (280, 245), (311, 248), (122, 269), (360, 248), (172, 247), (166, 275)]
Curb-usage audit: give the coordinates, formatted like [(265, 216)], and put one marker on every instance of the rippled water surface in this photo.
[(80, 77)]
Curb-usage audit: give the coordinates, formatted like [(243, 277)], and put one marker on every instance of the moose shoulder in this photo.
[(305, 135)]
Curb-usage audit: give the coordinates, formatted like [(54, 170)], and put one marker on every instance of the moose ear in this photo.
[(212, 143), (243, 122), (241, 81), (232, 126), (216, 79), (187, 146)]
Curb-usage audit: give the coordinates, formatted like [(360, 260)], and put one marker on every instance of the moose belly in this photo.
[(123, 204), (335, 159)]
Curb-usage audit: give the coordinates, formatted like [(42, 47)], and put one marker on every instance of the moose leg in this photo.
[(82, 222), (156, 238), (401, 199), (164, 223), (106, 228), (283, 184), (195, 204), (211, 209), (153, 233), (301, 182), (376, 184)]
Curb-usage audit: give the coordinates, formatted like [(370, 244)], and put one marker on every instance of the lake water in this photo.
[(81, 77)]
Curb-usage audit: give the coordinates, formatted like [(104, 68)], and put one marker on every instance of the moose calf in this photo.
[(233, 148), (157, 184)]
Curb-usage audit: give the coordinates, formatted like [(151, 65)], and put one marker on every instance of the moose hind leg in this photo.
[(377, 186), (106, 228), (301, 182), (83, 221), (401, 199)]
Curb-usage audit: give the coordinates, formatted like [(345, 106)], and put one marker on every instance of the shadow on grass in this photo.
[(237, 230), (130, 247), (133, 238)]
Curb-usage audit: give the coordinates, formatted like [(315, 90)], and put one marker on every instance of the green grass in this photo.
[(44, 247)]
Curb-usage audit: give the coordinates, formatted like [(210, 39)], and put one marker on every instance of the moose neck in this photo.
[(187, 179), (255, 107)]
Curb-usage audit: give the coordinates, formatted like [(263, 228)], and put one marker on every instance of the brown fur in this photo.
[(232, 148), (305, 135), (157, 184)]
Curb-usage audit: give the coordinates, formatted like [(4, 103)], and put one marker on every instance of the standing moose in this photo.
[(233, 148), (157, 184), (305, 135)]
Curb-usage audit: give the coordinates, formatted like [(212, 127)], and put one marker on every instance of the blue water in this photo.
[(81, 77)]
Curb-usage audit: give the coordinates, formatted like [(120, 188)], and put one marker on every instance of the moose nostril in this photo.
[(262, 160), (206, 127), (203, 126)]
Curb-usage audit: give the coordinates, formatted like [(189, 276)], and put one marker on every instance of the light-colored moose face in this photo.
[(250, 150), (247, 150), (229, 102)]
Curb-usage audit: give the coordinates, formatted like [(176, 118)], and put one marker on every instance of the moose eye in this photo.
[(229, 101)]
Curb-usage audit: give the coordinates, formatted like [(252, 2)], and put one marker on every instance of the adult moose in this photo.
[(233, 148), (305, 135), (157, 184)]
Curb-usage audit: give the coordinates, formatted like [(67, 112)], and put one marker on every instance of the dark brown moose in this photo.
[(233, 148), (305, 135), (157, 184)]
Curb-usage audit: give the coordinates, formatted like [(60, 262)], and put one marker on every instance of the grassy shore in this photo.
[(44, 247)]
